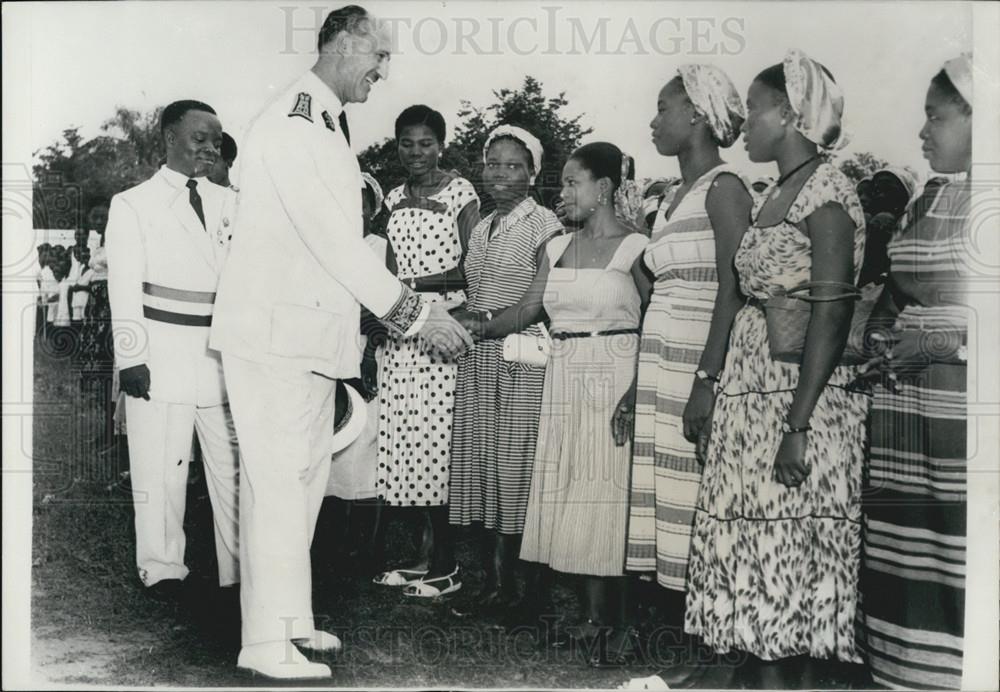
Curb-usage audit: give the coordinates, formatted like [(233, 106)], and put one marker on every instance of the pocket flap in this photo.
[(298, 331)]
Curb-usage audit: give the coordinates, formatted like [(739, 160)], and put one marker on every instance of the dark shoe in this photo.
[(166, 590)]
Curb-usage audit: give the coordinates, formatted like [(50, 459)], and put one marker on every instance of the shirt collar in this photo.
[(319, 90), (525, 207), (177, 179)]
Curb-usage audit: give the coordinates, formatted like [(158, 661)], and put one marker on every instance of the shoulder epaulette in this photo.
[(303, 106)]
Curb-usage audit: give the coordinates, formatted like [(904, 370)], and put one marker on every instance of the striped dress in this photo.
[(579, 487), (665, 474), (913, 578), (495, 424)]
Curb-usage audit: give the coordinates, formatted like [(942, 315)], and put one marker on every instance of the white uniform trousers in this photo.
[(159, 447), (284, 419)]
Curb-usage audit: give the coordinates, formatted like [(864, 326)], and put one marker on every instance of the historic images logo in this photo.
[(550, 31)]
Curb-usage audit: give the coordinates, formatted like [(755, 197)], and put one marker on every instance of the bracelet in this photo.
[(788, 429)]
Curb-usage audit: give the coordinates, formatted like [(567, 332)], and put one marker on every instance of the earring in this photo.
[(600, 199), (784, 122), (694, 120)]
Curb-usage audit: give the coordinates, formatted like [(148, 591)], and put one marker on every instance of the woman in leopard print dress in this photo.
[(774, 554)]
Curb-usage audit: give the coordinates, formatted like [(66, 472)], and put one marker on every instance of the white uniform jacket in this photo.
[(298, 265), (163, 270)]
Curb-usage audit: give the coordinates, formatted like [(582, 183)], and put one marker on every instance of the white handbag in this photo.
[(527, 348)]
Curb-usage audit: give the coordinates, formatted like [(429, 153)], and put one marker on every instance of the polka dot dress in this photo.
[(417, 385)]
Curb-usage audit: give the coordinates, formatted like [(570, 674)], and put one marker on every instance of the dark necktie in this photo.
[(342, 118), (195, 200)]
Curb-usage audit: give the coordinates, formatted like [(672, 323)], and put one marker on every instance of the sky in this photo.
[(609, 59)]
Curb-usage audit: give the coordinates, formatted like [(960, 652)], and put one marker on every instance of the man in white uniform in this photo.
[(287, 324), (166, 241)]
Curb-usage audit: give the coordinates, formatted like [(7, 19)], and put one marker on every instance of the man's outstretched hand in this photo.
[(442, 332)]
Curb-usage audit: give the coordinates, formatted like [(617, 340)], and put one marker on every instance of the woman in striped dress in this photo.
[(686, 327), (913, 578), (497, 402), (591, 287)]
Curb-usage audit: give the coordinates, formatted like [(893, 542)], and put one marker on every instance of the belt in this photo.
[(584, 335)]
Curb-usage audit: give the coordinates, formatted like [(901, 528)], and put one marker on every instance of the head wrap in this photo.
[(907, 176), (714, 96), (369, 180), (959, 71), (529, 141), (817, 101)]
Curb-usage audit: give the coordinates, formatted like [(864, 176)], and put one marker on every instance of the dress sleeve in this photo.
[(827, 186), (547, 226), (463, 192), (555, 247), (637, 243)]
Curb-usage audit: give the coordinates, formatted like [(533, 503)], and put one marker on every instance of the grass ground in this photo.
[(93, 624)]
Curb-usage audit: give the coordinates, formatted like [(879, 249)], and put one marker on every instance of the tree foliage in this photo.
[(861, 165), (525, 107), (72, 175)]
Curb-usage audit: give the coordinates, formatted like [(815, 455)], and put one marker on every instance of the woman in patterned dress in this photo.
[(497, 402), (686, 328), (776, 541), (913, 576), (431, 216)]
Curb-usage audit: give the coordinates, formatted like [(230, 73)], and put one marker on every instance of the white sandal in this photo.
[(434, 588), (399, 577)]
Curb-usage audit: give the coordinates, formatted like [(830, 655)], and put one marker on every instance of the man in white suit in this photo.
[(287, 324), (166, 241)]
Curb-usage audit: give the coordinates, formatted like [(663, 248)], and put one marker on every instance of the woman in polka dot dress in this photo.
[(431, 216)]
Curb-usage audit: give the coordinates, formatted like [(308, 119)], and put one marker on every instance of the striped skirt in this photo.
[(578, 504), (913, 571), (494, 432), (665, 473)]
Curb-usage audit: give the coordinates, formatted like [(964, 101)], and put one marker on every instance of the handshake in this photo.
[(473, 321), (449, 329)]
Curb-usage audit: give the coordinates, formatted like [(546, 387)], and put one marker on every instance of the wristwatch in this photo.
[(788, 429)]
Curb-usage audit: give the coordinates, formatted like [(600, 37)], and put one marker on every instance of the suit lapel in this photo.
[(182, 209)]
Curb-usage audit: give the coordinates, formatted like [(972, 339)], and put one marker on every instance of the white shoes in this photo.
[(281, 660), (321, 641)]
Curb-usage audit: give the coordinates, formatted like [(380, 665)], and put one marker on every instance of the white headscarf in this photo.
[(907, 176), (714, 96), (817, 101), (959, 71), (529, 141)]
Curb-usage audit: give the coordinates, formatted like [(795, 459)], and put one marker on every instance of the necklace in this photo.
[(784, 179), (434, 182)]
